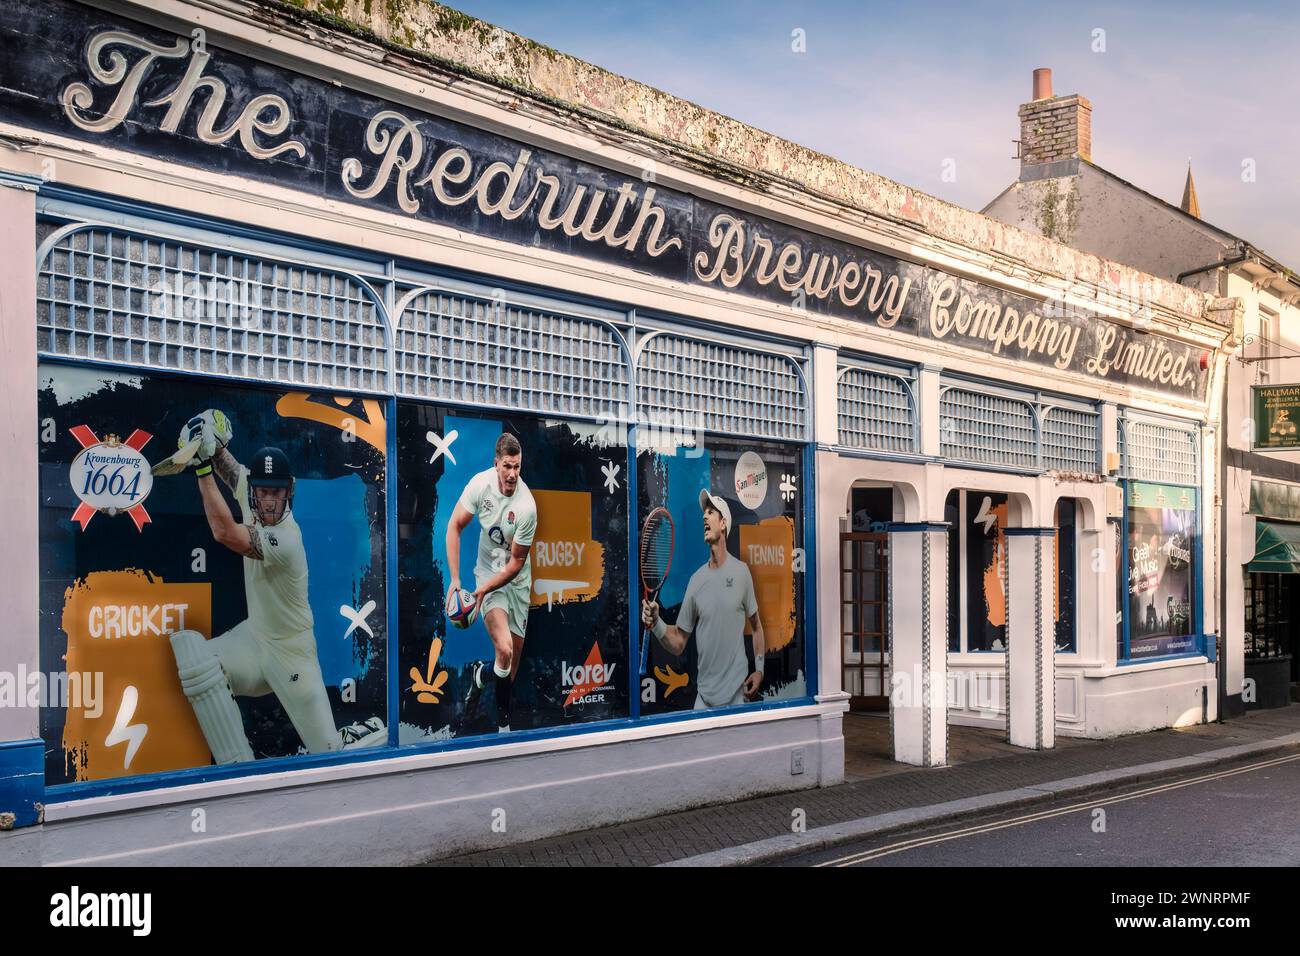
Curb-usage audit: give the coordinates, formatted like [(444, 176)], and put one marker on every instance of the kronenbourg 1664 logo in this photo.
[(111, 476)]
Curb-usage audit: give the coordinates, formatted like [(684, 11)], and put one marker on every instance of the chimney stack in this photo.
[(1053, 128)]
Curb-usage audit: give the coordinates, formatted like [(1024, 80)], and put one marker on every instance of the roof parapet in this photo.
[(456, 42)]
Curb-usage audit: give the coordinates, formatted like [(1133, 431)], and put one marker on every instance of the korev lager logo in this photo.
[(587, 683), (111, 476)]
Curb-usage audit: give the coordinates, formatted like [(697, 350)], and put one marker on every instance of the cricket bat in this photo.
[(178, 462)]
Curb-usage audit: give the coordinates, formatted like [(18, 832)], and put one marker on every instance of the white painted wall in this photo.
[(19, 597)]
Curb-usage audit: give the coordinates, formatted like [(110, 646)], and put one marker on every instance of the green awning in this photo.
[(1277, 548)]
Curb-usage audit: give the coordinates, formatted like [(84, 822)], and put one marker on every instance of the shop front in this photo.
[(192, 364), (1047, 543), (307, 343), (1271, 596)]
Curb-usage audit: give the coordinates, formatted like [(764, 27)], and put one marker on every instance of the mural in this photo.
[(535, 565), (722, 621), (212, 573)]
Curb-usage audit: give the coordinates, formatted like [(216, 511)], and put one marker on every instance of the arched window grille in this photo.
[(986, 425), (987, 428), (877, 409), (690, 383), (1071, 439), (117, 295), (476, 351), (1156, 450)]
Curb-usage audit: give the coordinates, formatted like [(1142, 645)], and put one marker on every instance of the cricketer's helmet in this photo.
[(270, 469)]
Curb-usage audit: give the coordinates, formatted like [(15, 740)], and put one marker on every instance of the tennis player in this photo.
[(719, 601)]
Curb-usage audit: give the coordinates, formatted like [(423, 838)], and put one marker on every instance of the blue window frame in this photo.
[(333, 326), (1159, 559)]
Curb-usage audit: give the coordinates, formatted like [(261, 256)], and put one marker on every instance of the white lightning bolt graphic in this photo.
[(984, 515), (123, 731)]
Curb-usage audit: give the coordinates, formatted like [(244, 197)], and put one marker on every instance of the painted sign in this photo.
[(1276, 413), (147, 91), (1273, 499)]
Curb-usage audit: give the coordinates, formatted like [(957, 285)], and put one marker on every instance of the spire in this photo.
[(1189, 204)]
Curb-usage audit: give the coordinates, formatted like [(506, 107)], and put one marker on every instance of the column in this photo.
[(918, 642), (1031, 638), (22, 770)]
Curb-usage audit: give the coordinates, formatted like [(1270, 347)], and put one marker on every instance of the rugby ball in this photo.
[(462, 609)]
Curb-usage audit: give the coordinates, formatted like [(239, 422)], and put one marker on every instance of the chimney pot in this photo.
[(1053, 128), (1042, 83)]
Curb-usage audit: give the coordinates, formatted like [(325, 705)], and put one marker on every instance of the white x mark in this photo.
[(442, 446), (358, 618)]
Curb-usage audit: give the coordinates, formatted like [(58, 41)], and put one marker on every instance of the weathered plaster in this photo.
[(687, 133)]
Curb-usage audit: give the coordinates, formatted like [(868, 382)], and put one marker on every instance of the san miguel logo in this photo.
[(111, 476)]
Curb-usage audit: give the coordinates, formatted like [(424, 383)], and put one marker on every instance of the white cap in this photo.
[(717, 504)]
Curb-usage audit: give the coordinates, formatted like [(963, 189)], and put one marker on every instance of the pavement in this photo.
[(880, 796)]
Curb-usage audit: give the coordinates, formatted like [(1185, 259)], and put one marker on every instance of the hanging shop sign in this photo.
[(177, 98), (1273, 499), (1276, 413)]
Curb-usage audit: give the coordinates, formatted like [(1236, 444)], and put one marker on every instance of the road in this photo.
[(1242, 815)]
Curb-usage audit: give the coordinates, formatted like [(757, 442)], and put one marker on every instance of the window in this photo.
[(1270, 605), (1066, 564), (977, 563), (977, 572), (1265, 346), (1160, 610)]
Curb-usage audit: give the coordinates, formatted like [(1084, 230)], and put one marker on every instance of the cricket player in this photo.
[(503, 576), (274, 649), (719, 600)]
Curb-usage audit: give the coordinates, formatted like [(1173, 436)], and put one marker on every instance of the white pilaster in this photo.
[(825, 389), (19, 607), (918, 643), (927, 402), (1031, 638)]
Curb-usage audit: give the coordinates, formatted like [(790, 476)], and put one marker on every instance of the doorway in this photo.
[(864, 650), (1272, 612)]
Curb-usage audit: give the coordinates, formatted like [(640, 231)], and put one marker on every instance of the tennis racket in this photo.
[(657, 535)]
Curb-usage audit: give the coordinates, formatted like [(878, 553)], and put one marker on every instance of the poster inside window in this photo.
[(952, 516), (1161, 573), (212, 573), (512, 602), (986, 565), (720, 531), (1066, 563)]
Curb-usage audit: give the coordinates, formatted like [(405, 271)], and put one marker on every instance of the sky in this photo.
[(909, 90)]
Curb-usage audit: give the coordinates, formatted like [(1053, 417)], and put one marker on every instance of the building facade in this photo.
[(859, 446), (1062, 194)]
